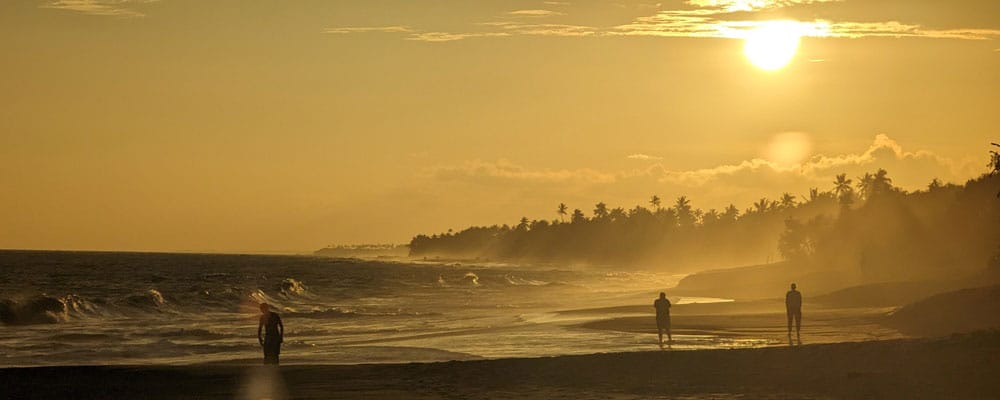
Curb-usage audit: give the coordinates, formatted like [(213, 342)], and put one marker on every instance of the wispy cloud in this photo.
[(732, 19), (534, 13), (450, 37), (752, 178), (750, 5), (519, 28), (708, 23), (366, 29), (115, 8), (884, 152), (476, 170)]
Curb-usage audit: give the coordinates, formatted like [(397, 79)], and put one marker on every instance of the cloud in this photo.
[(518, 28), (534, 13), (739, 183), (507, 171), (367, 29), (643, 157), (707, 22), (115, 8), (557, 3), (750, 5), (449, 37), (731, 19), (916, 167)]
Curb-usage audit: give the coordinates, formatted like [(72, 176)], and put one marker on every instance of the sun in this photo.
[(772, 45)]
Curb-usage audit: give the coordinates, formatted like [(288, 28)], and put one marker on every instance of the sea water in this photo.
[(72, 308)]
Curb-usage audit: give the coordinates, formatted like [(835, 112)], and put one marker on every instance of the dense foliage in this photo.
[(859, 224)]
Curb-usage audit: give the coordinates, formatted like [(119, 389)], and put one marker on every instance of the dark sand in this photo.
[(962, 366)]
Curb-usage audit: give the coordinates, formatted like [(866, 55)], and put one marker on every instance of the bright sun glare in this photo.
[(772, 45)]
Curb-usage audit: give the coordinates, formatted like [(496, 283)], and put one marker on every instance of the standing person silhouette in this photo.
[(662, 306), (793, 307), (274, 334)]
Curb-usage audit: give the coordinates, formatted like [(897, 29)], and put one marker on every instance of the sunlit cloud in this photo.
[(728, 19), (884, 152), (556, 3), (518, 28), (366, 29), (534, 13), (450, 37), (750, 5), (738, 182), (115, 8)]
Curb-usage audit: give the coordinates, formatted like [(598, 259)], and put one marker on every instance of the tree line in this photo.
[(866, 223)]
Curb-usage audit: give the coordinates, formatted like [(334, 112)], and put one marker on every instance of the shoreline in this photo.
[(959, 366)]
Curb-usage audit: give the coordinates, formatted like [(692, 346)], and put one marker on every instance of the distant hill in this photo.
[(365, 251)]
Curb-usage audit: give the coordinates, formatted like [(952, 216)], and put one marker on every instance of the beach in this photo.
[(961, 366)]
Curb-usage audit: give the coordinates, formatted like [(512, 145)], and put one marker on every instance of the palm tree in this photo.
[(761, 206), (685, 215), (600, 211), (562, 211), (872, 185), (523, 224), (710, 217), (787, 201), (577, 216), (617, 214), (730, 213), (813, 195), (841, 185), (934, 185), (994, 160), (655, 202)]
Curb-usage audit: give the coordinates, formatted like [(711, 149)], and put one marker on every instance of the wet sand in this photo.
[(955, 367)]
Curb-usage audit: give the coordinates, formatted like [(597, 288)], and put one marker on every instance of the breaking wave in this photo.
[(43, 309)]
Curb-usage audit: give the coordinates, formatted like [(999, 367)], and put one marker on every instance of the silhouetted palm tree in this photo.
[(710, 217), (601, 211), (761, 205), (995, 164), (562, 211), (523, 224), (685, 215), (994, 160), (730, 213), (841, 185), (617, 214), (577, 216), (934, 185), (813, 195), (873, 185), (655, 202), (787, 200)]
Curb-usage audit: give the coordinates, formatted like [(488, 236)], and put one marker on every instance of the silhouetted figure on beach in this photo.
[(273, 334), (662, 306), (793, 307)]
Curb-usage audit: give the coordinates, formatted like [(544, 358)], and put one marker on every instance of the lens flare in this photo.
[(789, 149)]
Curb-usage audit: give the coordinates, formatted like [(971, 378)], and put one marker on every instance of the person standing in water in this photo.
[(662, 306), (273, 334), (793, 307)]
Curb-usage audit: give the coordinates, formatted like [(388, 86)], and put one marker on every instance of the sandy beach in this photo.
[(961, 366)]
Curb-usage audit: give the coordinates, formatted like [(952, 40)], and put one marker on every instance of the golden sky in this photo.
[(289, 125)]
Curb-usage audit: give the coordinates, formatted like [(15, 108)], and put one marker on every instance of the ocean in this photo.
[(87, 308)]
